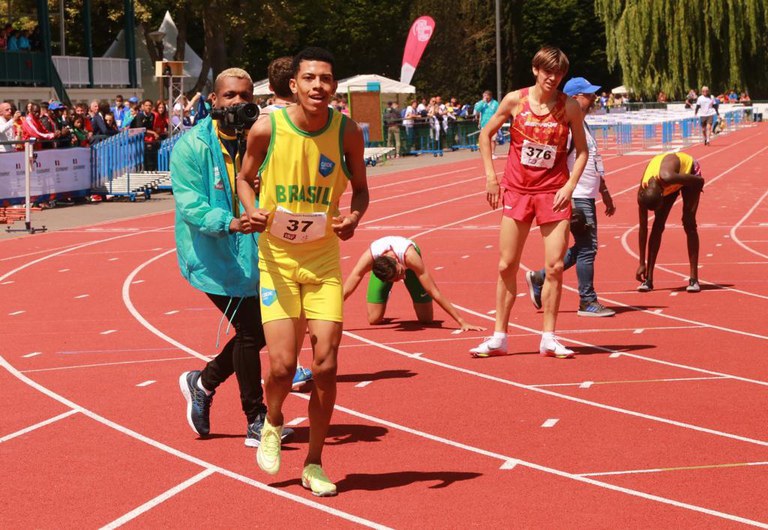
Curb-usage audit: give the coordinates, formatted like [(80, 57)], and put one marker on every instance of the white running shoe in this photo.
[(490, 347), (553, 348)]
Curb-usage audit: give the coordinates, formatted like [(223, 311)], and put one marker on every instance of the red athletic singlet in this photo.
[(538, 157)]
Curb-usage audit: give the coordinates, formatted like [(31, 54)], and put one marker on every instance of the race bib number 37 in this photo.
[(298, 227), (537, 155)]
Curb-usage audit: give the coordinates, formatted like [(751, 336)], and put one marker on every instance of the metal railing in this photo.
[(107, 71)]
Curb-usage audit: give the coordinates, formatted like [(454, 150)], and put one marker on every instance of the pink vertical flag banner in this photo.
[(418, 38)]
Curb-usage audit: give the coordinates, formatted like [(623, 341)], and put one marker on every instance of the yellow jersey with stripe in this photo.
[(302, 179), (687, 163)]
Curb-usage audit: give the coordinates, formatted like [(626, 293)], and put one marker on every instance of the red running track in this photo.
[(659, 421)]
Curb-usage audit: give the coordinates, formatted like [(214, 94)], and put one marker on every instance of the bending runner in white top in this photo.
[(395, 258)]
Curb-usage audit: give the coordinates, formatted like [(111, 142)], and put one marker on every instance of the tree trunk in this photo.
[(181, 26)]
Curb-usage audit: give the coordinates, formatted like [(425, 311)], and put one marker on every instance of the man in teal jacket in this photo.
[(217, 252)]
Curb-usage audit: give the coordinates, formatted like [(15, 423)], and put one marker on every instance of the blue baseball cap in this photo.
[(579, 85), (56, 105), (133, 99)]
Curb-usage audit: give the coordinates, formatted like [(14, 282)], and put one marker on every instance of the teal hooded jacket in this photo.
[(210, 258)]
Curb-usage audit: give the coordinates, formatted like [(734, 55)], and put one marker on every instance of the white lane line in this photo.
[(465, 256), (15, 313), (296, 421), (615, 355), (184, 456), (98, 365), (551, 422), (137, 281), (488, 246), (428, 206), (146, 383), (681, 468), (152, 503), (710, 255), (63, 270), (657, 311), (157, 249), (492, 312), (78, 297), (363, 384), (33, 354), (345, 257), (457, 332), (509, 464), (735, 227), (113, 259), (586, 384), (439, 268), (37, 425), (173, 312), (108, 332), (566, 397), (8, 282), (638, 331), (673, 293)]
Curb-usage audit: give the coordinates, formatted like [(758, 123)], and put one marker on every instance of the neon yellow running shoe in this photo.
[(268, 453), (313, 478)]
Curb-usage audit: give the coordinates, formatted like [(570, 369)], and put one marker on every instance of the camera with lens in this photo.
[(237, 117)]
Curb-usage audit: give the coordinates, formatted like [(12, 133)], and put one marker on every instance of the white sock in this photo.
[(201, 387), (547, 336), (499, 335)]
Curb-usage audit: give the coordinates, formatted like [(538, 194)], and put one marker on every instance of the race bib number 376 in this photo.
[(537, 155), (298, 227)]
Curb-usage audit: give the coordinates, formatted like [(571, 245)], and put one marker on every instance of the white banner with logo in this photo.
[(54, 172)]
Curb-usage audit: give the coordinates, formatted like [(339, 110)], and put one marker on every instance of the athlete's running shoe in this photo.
[(534, 287), (594, 309), (302, 376), (553, 348), (645, 287), (198, 402), (490, 347), (693, 286), (268, 453), (253, 435), (314, 478)]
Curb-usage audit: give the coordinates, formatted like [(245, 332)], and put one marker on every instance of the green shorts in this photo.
[(378, 291)]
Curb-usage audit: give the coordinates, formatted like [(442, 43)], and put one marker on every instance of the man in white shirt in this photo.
[(7, 131), (584, 217), (706, 104)]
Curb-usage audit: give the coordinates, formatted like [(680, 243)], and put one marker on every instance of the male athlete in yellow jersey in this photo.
[(666, 177), (304, 155)]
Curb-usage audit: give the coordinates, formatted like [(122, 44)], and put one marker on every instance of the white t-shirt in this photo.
[(410, 112), (7, 134), (706, 105), (588, 186), (399, 245)]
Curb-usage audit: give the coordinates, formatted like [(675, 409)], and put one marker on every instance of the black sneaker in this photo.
[(594, 309), (534, 288), (646, 286), (198, 402), (253, 434)]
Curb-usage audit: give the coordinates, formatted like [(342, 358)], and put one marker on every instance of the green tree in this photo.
[(679, 44)]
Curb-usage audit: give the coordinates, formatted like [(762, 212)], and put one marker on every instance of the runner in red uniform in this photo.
[(536, 185)]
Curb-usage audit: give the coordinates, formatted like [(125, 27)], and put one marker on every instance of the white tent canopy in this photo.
[(261, 88), (621, 90), (361, 82)]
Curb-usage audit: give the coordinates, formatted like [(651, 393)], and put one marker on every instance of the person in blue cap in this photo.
[(583, 217)]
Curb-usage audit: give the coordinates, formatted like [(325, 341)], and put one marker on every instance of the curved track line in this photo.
[(183, 456), (735, 238), (505, 458)]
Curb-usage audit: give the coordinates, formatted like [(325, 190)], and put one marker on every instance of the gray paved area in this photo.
[(86, 214)]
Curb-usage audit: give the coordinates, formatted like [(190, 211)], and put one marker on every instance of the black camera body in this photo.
[(237, 117)]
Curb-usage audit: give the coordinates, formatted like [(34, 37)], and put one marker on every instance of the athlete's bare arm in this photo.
[(414, 262), (363, 267), (247, 181), (507, 108), (669, 172), (354, 148), (642, 240), (576, 122)]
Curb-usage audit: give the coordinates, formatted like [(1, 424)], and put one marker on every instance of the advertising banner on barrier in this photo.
[(55, 171), (418, 38)]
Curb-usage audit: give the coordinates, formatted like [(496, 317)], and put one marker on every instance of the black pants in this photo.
[(241, 354)]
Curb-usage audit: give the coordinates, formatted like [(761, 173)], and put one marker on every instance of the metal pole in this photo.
[(500, 96), (88, 39), (62, 33), (29, 159), (130, 42)]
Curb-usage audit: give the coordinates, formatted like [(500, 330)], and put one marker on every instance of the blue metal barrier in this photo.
[(164, 153), (117, 156)]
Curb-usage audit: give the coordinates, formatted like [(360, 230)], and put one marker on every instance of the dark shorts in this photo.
[(378, 291), (525, 208), (706, 120)]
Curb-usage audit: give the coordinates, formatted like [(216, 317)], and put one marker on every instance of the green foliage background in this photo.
[(649, 45)]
